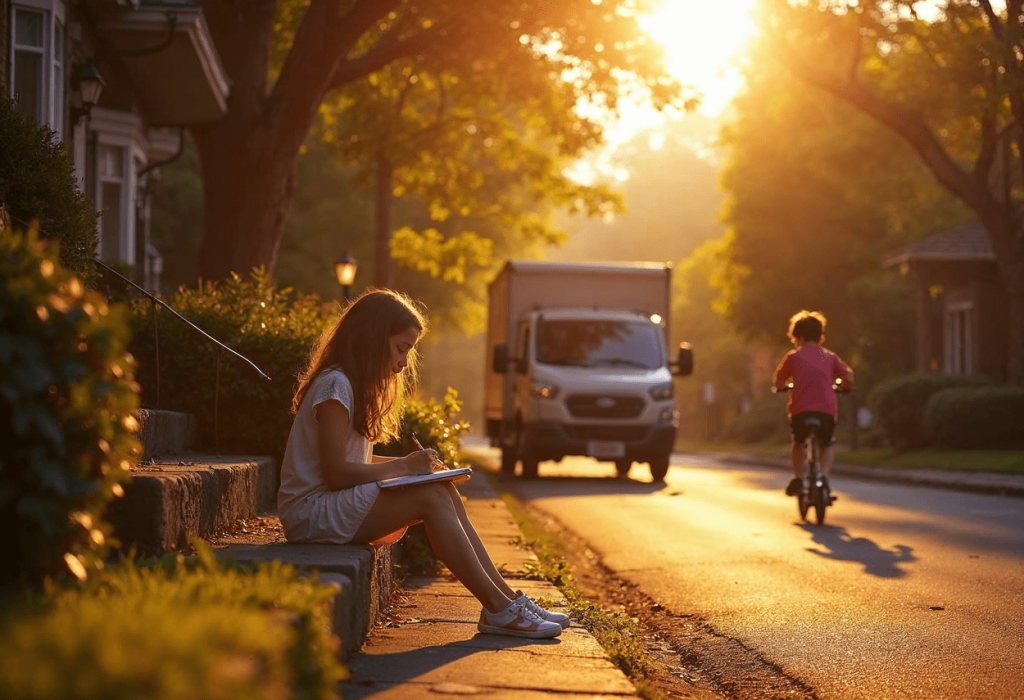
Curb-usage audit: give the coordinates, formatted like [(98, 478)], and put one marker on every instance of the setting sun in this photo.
[(700, 39)]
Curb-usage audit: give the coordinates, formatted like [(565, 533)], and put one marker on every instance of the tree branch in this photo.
[(993, 19), (390, 48)]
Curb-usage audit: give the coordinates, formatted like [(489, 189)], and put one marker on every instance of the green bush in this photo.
[(899, 402), (765, 421), (990, 417), (67, 399), (274, 327), (177, 629), (435, 424), (37, 182)]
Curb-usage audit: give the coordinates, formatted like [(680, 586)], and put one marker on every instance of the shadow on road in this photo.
[(588, 485), (839, 545)]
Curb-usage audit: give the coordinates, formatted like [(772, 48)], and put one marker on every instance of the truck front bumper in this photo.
[(545, 440)]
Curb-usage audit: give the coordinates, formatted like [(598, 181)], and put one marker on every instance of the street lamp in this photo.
[(345, 269), (89, 83)]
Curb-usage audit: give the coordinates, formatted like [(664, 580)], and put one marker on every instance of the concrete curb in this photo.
[(363, 577), (168, 502), (990, 483)]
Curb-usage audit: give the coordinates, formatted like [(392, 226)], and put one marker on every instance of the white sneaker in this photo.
[(517, 620), (560, 619)]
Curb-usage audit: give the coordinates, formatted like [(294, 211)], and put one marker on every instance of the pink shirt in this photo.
[(812, 370)]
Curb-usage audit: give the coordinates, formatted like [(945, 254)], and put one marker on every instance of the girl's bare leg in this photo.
[(432, 504), (478, 546)]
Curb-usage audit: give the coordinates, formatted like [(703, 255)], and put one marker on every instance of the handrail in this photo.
[(181, 318)]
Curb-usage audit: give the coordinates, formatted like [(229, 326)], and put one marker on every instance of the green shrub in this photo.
[(435, 424), (66, 402), (990, 417), (898, 404), (175, 629), (274, 327), (37, 182), (765, 421)]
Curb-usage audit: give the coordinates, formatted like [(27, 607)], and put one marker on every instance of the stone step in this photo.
[(172, 499), (165, 433), (362, 576)]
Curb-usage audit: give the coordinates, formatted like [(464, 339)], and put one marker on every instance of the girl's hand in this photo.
[(422, 461)]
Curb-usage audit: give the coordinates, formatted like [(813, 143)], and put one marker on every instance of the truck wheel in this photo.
[(508, 460), (622, 467), (530, 467), (659, 467)]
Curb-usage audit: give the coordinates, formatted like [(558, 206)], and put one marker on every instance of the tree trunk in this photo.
[(382, 274)]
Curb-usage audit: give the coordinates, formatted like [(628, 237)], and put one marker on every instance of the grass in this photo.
[(618, 634), (999, 461)]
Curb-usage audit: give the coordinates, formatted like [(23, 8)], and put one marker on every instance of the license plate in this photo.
[(605, 449)]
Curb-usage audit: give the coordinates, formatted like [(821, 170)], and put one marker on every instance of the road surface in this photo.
[(905, 592)]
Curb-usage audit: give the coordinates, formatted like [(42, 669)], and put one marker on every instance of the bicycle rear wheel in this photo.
[(803, 504), (820, 498)]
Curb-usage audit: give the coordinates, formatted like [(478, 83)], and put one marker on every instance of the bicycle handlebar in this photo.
[(837, 387)]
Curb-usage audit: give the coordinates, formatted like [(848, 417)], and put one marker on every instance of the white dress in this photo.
[(309, 512)]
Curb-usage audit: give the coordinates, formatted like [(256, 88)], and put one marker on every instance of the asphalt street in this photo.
[(907, 591)]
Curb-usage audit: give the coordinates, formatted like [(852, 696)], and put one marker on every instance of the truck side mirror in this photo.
[(684, 361), (500, 358)]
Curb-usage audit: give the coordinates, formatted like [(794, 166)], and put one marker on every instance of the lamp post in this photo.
[(345, 270), (89, 83)]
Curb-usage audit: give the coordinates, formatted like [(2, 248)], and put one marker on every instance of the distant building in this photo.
[(962, 306), (159, 70)]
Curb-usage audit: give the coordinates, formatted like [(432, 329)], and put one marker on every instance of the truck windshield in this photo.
[(593, 343)]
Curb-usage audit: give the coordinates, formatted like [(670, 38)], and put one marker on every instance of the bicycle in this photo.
[(818, 493)]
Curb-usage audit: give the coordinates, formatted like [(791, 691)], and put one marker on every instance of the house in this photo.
[(155, 69), (962, 307)]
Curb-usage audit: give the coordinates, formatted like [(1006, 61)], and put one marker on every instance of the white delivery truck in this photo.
[(577, 364)]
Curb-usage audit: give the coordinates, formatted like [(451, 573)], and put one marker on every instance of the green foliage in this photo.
[(66, 424), (899, 404), (173, 628), (38, 183), (435, 424), (980, 418), (272, 326), (765, 421)]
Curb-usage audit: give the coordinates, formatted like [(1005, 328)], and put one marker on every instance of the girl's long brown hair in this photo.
[(359, 344)]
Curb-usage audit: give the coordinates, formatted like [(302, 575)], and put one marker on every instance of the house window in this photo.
[(37, 61), (959, 331), (111, 176)]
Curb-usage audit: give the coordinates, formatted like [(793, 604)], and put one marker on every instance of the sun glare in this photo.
[(700, 39)]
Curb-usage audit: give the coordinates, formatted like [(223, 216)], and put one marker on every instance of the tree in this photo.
[(817, 193), (285, 57), (945, 77)]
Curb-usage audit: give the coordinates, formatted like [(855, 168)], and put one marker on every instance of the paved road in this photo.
[(906, 592)]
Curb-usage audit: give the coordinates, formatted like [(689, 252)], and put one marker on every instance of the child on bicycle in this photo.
[(812, 371)]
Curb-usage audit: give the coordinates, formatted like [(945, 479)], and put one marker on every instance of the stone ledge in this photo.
[(364, 577), (168, 502), (165, 432)]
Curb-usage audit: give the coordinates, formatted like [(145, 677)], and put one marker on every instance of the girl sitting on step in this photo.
[(348, 398)]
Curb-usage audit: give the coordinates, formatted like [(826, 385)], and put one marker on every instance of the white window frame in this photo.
[(53, 90), (959, 358), (114, 128)]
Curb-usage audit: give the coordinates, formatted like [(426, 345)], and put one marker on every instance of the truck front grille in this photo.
[(618, 433), (604, 406)]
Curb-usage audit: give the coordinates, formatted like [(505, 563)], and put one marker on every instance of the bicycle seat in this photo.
[(812, 421)]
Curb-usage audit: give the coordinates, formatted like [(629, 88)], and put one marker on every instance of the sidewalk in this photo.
[(992, 483), (434, 648)]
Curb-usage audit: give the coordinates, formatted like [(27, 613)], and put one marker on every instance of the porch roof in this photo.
[(966, 243), (173, 65)]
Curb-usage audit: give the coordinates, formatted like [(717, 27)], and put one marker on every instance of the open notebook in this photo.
[(446, 475)]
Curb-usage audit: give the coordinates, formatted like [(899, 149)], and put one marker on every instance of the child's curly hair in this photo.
[(809, 326)]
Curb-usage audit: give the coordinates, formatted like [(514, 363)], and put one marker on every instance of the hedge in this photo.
[(174, 628), (990, 417), (899, 404), (38, 183), (765, 421), (67, 400)]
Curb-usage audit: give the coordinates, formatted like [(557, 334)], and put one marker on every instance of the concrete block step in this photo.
[(171, 500), (165, 432), (363, 577)]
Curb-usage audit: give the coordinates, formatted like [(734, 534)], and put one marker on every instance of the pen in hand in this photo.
[(438, 464)]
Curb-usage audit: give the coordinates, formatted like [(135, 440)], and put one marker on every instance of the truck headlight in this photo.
[(545, 390), (661, 392)]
